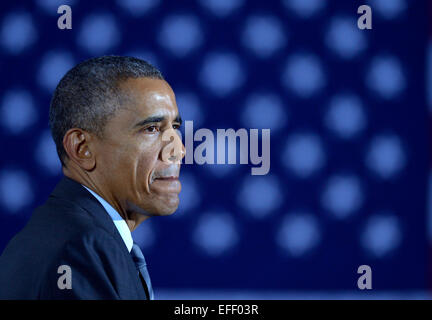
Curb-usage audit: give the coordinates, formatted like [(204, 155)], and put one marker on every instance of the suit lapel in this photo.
[(72, 191)]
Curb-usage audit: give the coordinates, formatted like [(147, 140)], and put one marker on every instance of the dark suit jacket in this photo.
[(72, 228)]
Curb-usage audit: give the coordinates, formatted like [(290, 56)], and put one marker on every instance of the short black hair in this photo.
[(89, 94)]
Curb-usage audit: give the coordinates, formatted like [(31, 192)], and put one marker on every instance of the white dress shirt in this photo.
[(119, 222)]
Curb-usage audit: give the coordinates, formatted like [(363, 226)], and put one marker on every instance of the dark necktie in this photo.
[(141, 266)]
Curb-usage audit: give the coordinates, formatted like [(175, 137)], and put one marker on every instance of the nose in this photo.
[(179, 152), (173, 150)]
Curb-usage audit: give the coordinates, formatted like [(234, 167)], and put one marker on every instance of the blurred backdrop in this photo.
[(350, 127)]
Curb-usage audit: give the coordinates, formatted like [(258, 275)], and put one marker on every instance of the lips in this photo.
[(167, 178), (169, 173), (166, 185)]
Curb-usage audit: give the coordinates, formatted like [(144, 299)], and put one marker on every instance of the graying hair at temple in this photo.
[(89, 94)]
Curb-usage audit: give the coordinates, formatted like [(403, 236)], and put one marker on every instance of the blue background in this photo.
[(348, 183)]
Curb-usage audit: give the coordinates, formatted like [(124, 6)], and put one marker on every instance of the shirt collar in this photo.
[(119, 222)]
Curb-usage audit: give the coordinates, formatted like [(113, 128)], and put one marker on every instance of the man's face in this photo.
[(130, 157)]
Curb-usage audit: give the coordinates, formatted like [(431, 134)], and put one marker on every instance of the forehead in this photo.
[(148, 97)]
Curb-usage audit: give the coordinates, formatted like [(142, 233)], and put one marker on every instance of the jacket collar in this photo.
[(72, 191)]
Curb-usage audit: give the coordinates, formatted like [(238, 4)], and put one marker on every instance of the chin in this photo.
[(163, 212), (169, 210), (166, 207), (159, 208)]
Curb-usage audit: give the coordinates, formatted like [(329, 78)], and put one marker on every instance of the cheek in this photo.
[(126, 164), (147, 157), (129, 167), (120, 161)]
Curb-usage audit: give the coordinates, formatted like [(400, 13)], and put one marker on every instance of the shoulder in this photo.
[(94, 239), (97, 264), (56, 230)]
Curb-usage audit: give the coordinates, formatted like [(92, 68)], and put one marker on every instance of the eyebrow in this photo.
[(153, 119)]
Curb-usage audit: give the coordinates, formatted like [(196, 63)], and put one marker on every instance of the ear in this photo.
[(77, 144)]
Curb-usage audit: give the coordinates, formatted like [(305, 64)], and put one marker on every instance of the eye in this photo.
[(176, 126), (152, 129)]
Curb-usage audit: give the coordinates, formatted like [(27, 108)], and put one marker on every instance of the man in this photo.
[(114, 121)]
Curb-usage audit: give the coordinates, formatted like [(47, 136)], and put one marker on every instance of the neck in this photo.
[(133, 219)]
